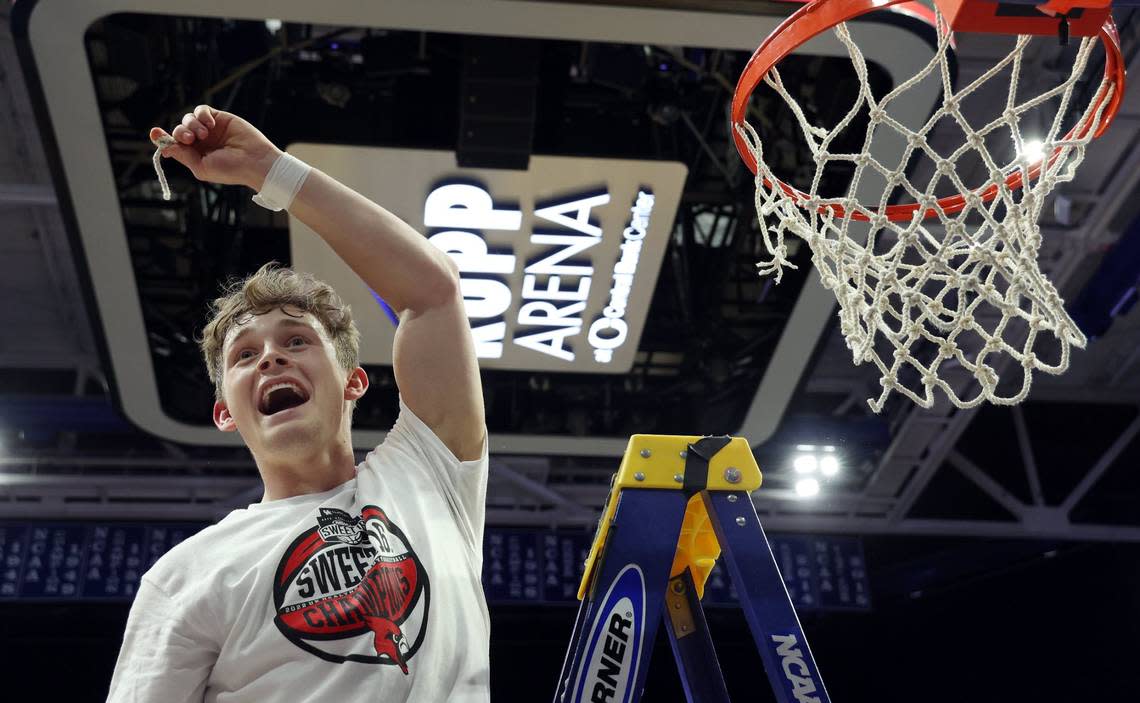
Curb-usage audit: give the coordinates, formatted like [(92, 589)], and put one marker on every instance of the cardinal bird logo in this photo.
[(351, 588)]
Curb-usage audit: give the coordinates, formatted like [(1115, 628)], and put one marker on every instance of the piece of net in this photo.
[(954, 302)]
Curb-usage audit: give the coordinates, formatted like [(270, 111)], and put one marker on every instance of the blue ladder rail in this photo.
[(651, 555)]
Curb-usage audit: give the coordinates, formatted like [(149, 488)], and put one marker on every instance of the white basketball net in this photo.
[(936, 289)]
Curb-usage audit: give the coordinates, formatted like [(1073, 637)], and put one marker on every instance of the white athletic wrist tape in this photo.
[(282, 183)]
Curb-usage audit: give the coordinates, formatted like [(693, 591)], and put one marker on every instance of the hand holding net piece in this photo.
[(937, 283)]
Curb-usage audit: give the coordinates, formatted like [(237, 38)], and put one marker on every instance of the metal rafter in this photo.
[(1027, 457), (1106, 460), (989, 486)]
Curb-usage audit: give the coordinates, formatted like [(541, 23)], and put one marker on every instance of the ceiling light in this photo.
[(1032, 151), (829, 466), (273, 26), (807, 487), (805, 464)]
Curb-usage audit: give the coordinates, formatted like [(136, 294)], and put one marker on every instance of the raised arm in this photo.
[(434, 356)]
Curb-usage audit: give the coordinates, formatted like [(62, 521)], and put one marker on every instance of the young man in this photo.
[(346, 582)]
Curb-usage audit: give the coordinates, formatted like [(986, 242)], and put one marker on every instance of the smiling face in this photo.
[(282, 388)]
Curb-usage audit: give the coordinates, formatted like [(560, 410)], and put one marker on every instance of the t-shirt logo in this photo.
[(335, 525), (351, 588)]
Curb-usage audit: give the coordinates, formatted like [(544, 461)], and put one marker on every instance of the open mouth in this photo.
[(279, 397)]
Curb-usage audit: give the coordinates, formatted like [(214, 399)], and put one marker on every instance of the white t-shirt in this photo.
[(368, 592)]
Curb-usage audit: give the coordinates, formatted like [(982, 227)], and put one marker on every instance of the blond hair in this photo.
[(275, 287)]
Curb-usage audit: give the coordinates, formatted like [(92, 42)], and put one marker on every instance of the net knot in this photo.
[(820, 132), (986, 376)]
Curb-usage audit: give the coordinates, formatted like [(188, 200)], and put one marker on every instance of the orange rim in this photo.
[(821, 15)]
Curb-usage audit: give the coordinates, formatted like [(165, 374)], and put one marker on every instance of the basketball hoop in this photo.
[(937, 282)]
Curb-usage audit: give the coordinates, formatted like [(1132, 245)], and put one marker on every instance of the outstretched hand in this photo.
[(220, 147)]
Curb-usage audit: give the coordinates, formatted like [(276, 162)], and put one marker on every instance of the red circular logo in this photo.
[(352, 589)]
